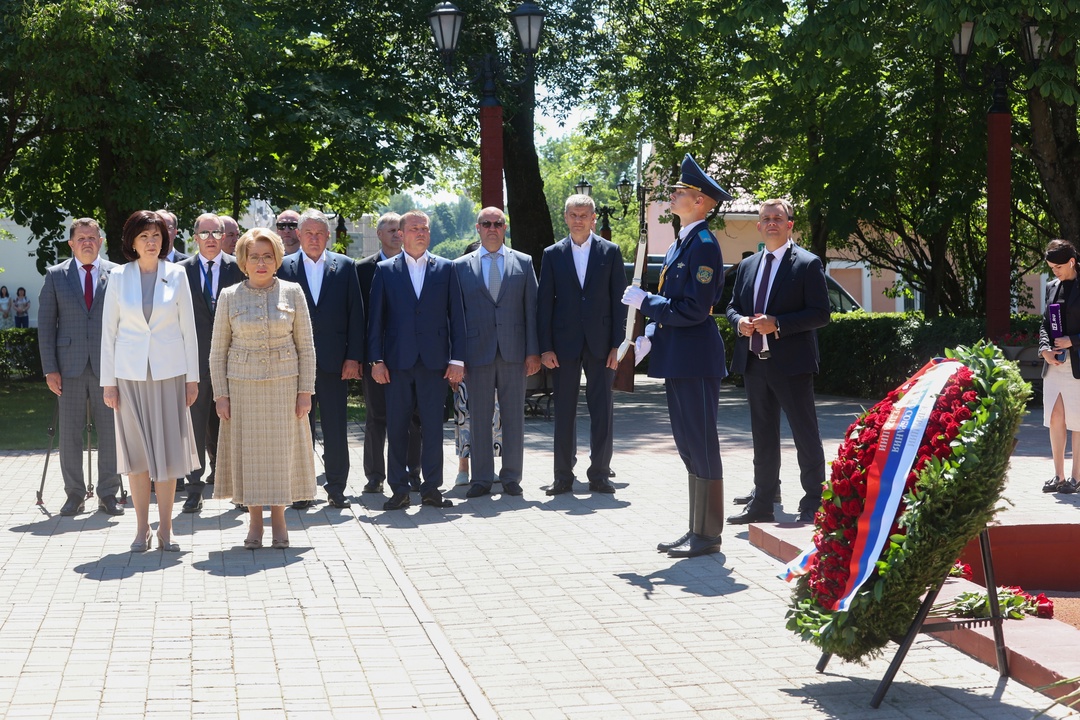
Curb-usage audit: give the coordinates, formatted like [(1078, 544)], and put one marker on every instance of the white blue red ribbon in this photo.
[(897, 450)]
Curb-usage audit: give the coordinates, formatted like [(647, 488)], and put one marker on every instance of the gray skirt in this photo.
[(153, 429)]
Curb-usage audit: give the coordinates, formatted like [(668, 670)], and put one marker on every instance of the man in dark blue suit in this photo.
[(388, 231), (337, 323), (688, 353), (779, 301), (580, 322), (416, 338), (209, 272)]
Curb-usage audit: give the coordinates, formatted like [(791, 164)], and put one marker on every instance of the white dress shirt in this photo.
[(777, 254), (314, 270), (416, 268), (581, 257), (215, 279)]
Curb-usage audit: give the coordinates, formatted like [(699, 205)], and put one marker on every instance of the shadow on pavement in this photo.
[(686, 574), (238, 562)]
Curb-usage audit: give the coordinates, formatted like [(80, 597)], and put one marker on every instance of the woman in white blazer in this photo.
[(150, 372)]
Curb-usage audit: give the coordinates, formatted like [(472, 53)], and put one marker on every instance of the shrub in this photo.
[(19, 357)]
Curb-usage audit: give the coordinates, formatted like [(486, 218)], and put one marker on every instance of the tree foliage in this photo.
[(858, 116)]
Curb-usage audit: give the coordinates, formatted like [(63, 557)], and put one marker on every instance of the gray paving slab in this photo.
[(501, 607)]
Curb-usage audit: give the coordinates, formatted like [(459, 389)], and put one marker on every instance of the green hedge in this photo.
[(865, 355), (19, 356)]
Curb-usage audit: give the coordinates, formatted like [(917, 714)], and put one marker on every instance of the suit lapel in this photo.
[(478, 272), (299, 272), (592, 267), (73, 280), (102, 283), (782, 274), (509, 268)]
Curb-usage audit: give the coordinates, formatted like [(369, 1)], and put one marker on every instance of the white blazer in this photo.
[(129, 344)]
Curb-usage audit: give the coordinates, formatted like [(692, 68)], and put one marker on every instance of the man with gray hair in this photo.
[(209, 272), (69, 340), (337, 322), (580, 323), (390, 238), (232, 234)]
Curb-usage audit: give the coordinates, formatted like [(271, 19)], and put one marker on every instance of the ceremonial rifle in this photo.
[(635, 319)]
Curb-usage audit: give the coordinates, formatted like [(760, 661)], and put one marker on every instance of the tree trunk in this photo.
[(1056, 152), (108, 172), (526, 205)]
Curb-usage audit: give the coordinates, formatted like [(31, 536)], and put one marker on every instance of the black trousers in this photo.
[(769, 392), (375, 433), (692, 406), (566, 383), (331, 398)]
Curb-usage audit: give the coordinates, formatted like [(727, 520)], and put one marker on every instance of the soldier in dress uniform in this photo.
[(688, 353)]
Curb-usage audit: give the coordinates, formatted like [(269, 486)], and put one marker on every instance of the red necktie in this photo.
[(88, 285), (756, 343)]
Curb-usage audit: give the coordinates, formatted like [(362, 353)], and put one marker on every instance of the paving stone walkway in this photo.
[(500, 607)]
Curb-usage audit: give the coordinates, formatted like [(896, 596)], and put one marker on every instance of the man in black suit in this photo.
[(174, 256), (69, 339), (209, 272), (286, 224), (416, 339), (580, 323), (337, 323), (779, 302), (390, 238)]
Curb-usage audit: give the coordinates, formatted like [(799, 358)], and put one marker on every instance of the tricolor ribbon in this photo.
[(897, 450)]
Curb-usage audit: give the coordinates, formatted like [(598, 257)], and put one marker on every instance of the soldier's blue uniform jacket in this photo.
[(685, 339)]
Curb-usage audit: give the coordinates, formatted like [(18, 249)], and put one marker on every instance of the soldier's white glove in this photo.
[(633, 296), (642, 346)]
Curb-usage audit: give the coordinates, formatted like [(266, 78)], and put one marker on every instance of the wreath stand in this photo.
[(919, 624)]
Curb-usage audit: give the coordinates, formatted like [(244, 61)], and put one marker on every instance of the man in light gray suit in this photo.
[(498, 292), (69, 339)]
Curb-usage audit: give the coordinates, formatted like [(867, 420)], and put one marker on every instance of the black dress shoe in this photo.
[(193, 503), (560, 487), (603, 485), (397, 501), (747, 499), (512, 488), (807, 516), (243, 508), (610, 473), (374, 486), (665, 546), (696, 545), (477, 490), (435, 499), (109, 506), (749, 515), (414, 483), (1068, 487), (1052, 485), (339, 501), (300, 504), (75, 504)]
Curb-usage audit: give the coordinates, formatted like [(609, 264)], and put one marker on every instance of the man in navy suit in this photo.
[(416, 339), (69, 340), (779, 301), (337, 323), (580, 322), (688, 352), (388, 230), (498, 292), (209, 272)]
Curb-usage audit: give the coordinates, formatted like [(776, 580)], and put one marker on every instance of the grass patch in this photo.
[(27, 409)]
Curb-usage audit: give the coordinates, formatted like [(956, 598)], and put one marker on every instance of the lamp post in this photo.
[(528, 21), (998, 175), (606, 212)]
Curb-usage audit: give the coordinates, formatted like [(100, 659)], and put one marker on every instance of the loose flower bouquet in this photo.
[(1013, 603), (916, 477)]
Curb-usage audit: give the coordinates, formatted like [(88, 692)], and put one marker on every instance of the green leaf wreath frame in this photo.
[(949, 501)]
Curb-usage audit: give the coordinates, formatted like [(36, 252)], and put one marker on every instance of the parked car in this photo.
[(840, 301)]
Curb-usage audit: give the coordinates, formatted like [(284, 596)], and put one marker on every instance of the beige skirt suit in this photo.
[(262, 354)]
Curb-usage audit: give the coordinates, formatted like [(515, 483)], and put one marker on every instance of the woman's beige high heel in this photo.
[(167, 546), (143, 545)]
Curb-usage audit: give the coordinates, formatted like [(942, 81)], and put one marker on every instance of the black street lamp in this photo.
[(528, 20), (624, 189), (998, 173)]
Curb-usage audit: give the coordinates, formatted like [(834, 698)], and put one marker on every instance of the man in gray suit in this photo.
[(69, 338), (209, 272), (498, 292)]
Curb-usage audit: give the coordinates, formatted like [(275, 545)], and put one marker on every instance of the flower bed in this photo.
[(888, 530)]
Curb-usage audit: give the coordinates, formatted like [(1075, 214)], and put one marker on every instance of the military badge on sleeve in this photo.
[(704, 274)]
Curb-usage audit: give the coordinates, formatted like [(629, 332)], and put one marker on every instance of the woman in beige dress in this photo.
[(150, 372), (262, 365)]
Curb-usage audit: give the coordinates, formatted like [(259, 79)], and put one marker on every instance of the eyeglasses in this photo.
[(204, 234), (286, 226), (492, 223), (260, 259)]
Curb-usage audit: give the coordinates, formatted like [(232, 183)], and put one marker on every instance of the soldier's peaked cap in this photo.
[(692, 176)]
